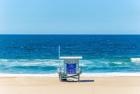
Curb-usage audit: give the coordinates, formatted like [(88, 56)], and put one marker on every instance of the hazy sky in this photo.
[(70, 16)]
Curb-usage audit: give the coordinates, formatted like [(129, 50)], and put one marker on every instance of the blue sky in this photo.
[(69, 16)]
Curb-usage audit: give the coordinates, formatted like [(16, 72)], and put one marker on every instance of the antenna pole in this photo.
[(59, 51)]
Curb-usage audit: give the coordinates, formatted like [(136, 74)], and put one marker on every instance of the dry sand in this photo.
[(51, 85)]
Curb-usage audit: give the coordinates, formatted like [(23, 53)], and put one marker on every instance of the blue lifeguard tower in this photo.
[(69, 68)]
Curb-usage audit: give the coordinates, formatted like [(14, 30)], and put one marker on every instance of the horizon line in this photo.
[(67, 34)]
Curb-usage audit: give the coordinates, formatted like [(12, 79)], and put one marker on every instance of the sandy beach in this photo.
[(87, 85)]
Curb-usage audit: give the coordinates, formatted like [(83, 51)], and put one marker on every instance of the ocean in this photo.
[(38, 54)]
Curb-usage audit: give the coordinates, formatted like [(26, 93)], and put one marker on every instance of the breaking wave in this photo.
[(43, 66)]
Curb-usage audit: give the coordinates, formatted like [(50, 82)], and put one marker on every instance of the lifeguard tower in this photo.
[(69, 68)]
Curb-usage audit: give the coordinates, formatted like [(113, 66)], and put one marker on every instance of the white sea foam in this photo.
[(86, 64), (37, 62), (135, 60), (27, 62), (50, 66), (118, 63)]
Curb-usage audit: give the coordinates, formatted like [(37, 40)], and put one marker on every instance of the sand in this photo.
[(52, 85)]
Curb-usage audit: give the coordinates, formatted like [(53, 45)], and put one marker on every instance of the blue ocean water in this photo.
[(38, 54)]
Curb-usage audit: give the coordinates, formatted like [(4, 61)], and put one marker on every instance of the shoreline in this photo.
[(114, 74)]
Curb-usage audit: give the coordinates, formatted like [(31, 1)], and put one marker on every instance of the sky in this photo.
[(69, 16)]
